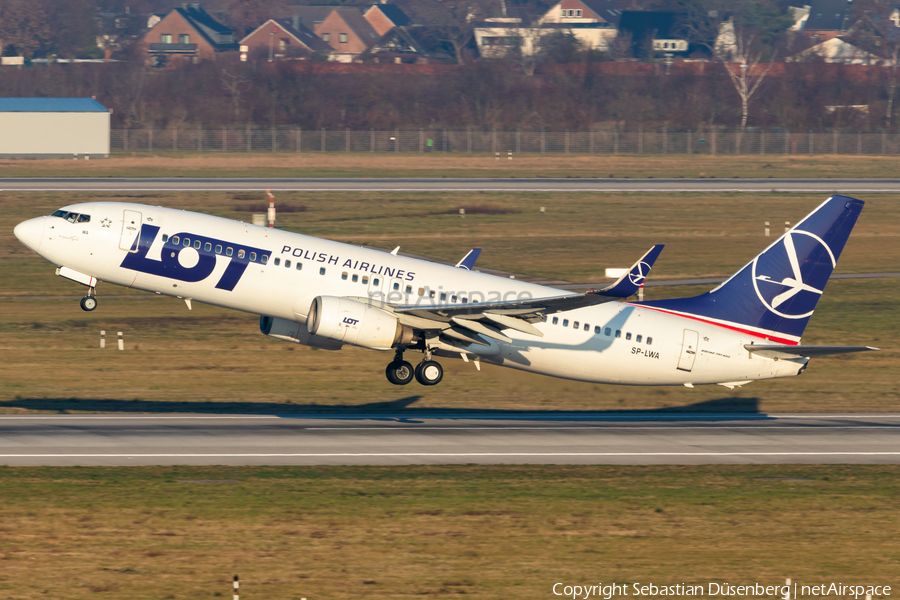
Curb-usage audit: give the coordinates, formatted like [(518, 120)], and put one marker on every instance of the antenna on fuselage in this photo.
[(271, 208)]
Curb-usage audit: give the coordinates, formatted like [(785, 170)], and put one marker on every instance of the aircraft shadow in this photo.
[(722, 409)]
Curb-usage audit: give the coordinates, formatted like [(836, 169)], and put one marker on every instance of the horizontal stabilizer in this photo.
[(778, 351), (629, 283)]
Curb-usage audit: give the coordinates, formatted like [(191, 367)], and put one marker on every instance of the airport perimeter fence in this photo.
[(503, 142)]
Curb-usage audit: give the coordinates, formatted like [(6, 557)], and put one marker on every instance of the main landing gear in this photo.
[(89, 302), (427, 372)]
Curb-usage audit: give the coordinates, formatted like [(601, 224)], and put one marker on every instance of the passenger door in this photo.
[(131, 227)]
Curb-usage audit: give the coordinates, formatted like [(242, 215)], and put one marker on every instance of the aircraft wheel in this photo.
[(88, 303), (399, 372), (429, 372)]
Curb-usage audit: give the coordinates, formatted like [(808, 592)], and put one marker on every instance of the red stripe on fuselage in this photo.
[(757, 334)]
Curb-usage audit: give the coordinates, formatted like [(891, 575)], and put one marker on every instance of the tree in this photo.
[(747, 75), (455, 22), (875, 31), (247, 15), (23, 25)]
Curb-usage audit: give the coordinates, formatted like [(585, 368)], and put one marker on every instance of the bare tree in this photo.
[(621, 47), (235, 83), (746, 75), (455, 22), (876, 30)]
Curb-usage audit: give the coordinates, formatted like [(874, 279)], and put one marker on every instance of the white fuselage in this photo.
[(652, 347)]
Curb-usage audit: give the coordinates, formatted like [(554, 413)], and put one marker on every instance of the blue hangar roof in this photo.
[(51, 105)]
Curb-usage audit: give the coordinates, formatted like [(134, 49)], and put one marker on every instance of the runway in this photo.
[(479, 438), (177, 184)]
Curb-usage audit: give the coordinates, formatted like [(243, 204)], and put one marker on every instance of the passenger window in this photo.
[(421, 291), (365, 280), (218, 249), (252, 256), (409, 290), (431, 294), (608, 332), (321, 270), (175, 239), (649, 341), (228, 251), (165, 238), (587, 327), (344, 276), (287, 264), (465, 300), (597, 330), (638, 338), (299, 266), (241, 253), (187, 242), (555, 320), (375, 281), (565, 322), (265, 258), (277, 261), (575, 325), (452, 298), (197, 244), (207, 247), (443, 297), (618, 333), (396, 286), (628, 336)]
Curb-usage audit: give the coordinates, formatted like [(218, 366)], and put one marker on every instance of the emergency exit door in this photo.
[(131, 226), (688, 350)]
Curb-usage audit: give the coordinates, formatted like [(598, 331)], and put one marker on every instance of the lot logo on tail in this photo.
[(786, 285), (638, 274)]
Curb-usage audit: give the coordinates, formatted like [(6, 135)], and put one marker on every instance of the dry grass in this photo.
[(395, 532), (454, 165)]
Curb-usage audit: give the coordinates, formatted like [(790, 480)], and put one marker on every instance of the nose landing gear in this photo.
[(89, 302)]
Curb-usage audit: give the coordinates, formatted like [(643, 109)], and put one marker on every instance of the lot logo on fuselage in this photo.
[(789, 277), (204, 257)]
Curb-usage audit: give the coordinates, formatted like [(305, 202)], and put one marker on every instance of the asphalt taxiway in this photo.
[(390, 439), (189, 184)]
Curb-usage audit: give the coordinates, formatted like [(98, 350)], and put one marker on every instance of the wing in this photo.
[(773, 351), (490, 318)]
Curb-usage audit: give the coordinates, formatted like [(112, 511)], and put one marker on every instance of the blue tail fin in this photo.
[(775, 294)]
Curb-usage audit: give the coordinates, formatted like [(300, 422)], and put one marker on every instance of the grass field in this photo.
[(455, 165), (216, 360), (399, 532)]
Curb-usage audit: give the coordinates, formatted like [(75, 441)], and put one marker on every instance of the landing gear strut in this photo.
[(89, 302), (399, 372)]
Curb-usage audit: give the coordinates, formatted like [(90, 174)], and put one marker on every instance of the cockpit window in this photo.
[(72, 217)]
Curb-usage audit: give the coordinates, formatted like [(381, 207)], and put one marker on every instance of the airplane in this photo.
[(326, 294)]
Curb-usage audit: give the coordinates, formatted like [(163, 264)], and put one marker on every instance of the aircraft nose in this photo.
[(31, 232)]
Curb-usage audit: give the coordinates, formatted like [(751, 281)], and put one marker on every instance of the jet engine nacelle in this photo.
[(353, 322), (291, 331)]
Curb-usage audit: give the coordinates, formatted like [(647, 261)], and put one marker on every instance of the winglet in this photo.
[(629, 283), (468, 261)]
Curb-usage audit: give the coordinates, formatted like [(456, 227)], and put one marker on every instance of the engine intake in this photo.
[(357, 323)]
